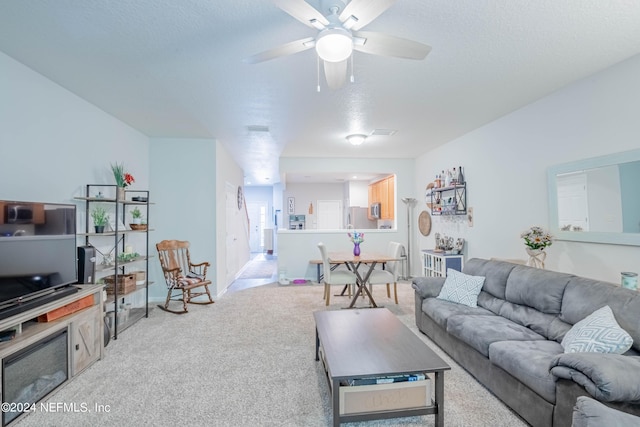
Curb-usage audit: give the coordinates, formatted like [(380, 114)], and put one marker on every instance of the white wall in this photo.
[(183, 190), (505, 164), (53, 143)]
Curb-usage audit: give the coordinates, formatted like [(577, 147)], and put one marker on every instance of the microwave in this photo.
[(374, 210), (19, 214)]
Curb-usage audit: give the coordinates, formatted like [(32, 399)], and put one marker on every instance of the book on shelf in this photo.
[(7, 335), (384, 379)]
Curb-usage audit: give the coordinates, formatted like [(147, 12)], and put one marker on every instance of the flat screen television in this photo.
[(38, 256)]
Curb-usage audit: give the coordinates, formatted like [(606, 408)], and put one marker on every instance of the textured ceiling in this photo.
[(174, 69)]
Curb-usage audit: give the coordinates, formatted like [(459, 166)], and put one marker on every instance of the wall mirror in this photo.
[(597, 199)]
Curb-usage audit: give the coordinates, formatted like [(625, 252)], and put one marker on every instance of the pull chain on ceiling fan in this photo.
[(338, 36)]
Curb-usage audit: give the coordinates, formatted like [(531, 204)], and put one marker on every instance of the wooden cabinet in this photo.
[(383, 192), (87, 333)]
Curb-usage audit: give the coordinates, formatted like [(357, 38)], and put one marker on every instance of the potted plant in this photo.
[(123, 179), (136, 214), (100, 218)]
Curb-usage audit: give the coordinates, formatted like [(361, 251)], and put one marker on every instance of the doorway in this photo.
[(257, 212)]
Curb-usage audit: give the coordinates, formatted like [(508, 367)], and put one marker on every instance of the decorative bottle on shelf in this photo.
[(447, 179), (460, 175), (454, 177)]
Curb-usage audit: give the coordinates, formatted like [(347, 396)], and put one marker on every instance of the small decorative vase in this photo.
[(356, 249), (536, 257), (120, 195)]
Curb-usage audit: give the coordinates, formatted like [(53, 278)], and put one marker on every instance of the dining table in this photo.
[(366, 261)]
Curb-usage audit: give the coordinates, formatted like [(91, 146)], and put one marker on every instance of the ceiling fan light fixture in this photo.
[(334, 44), (356, 138)]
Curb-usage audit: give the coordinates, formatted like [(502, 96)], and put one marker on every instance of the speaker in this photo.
[(86, 264)]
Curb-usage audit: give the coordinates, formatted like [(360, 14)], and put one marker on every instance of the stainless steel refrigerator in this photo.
[(357, 218)]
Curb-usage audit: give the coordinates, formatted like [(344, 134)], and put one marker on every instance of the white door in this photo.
[(329, 215), (232, 212), (257, 212)]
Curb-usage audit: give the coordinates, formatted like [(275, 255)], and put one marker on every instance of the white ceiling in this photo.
[(174, 69)]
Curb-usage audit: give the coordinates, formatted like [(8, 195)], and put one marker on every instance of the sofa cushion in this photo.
[(584, 296), (495, 273), (528, 361), (536, 288), (547, 325), (461, 288), (480, 331), (440, 310), (599, 333)]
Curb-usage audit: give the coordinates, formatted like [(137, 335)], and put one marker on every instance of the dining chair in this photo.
[(340, 278), (390, 273)]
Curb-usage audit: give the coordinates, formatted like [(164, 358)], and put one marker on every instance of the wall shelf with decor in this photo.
[(122, 251), (435, 264), (451, 200)]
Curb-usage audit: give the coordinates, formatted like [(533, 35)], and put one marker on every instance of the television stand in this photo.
[(29, 304), (80, 333)]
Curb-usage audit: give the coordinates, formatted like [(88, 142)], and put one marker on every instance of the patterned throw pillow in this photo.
[(461, 288), (597, 333)]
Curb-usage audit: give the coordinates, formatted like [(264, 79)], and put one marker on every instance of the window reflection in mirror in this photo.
[(597, 199)]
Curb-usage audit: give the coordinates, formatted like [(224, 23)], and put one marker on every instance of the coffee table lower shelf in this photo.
[(379, 401)]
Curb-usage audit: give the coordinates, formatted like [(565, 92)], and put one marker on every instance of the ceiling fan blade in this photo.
[(282, 50), (303, 12), (386, 45), (335, 73), (364, 11)]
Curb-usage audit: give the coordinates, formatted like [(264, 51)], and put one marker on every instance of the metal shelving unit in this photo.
[(131, 306)]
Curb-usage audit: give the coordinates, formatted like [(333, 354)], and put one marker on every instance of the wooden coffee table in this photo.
[(374, 343)]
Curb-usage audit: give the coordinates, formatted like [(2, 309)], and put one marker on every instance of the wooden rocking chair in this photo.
[(181, 275)]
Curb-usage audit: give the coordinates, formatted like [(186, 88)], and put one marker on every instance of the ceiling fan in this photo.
[(338, 35)]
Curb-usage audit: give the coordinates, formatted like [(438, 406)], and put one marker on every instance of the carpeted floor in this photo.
[(247, 360)]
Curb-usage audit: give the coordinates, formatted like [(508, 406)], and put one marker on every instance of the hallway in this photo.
[(262, 269)]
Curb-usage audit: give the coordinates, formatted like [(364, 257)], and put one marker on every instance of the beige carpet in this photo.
[(247, 360)]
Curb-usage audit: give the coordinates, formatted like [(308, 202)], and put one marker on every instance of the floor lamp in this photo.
[(409, 201)]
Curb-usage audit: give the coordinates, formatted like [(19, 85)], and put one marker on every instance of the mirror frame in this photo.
[(632, 239)]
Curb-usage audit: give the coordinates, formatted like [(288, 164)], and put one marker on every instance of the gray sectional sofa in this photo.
[(511, 342)]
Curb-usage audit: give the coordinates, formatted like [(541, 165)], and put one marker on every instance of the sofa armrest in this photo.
[(607, 377), (591, 413), (428, 287)]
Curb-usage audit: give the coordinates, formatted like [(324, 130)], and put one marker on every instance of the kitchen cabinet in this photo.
[(383, 192)]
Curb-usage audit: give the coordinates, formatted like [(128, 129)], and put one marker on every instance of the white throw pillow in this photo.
[(461, 288), (597, 333)]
